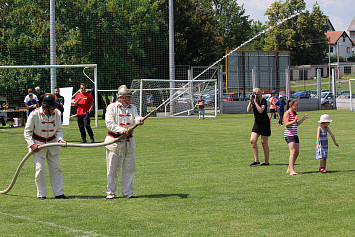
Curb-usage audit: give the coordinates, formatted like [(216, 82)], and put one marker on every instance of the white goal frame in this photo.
[(174, 96), (351, 93), (67, 66)]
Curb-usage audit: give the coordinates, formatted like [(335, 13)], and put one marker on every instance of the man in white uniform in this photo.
[(44, 125), (120, 116)]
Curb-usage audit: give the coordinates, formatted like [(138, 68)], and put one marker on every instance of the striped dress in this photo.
[(292, 130)]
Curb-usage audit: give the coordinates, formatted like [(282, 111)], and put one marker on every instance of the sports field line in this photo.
[(87, 233)]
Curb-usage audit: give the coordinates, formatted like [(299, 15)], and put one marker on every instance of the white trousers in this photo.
[(55, 174), (121, 156)]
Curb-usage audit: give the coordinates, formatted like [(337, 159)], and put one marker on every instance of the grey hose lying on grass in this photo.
[(66, 145)]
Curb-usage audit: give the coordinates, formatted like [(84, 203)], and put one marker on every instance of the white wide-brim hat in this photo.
[(325, 119)]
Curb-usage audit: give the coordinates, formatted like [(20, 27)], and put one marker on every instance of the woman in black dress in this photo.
[(261, 126)]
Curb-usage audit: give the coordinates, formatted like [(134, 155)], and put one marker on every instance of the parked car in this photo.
[(209, 99), (247, 95), (302, 95), (313, 93), (326, 98), (283, 93), (266, 96), (184, 98), (346, 96), (231, 97)]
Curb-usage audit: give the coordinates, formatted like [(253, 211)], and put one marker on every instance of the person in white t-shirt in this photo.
[(27, 98)]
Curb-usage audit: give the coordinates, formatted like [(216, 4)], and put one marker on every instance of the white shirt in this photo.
[(27, 98)]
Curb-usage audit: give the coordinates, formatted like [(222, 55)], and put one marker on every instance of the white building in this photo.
[(340, 44), (351, 30)]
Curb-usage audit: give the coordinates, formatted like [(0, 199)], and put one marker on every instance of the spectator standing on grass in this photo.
[(290, 133), (201, 108), (39, 95), (60, 101), (261, 126), (85, 104), (281, 109), (44, 126), (322, 141), (120, 116), (272, 102), (27, 98), (31, 104)]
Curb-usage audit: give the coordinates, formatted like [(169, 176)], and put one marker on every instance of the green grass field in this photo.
[(193, 179)]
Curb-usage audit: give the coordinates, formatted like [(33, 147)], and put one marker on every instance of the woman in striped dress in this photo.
[(291, 135)]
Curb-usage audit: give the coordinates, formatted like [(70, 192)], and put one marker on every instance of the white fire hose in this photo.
[(68, 145)]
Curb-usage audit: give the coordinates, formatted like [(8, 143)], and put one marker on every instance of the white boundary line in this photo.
[(89, 233)]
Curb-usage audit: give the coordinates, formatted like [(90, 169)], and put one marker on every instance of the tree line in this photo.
[(128, 39)]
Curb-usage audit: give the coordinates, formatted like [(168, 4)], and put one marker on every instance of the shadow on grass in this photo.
[(282, 164), (141, 196), (164, 195), (329, 171)]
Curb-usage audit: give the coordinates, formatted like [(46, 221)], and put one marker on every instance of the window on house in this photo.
[(343, 39), (348, 49), (331, 50), (347, 70)]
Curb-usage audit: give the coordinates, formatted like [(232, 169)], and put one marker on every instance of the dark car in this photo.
[(283, 93), (302, 95)]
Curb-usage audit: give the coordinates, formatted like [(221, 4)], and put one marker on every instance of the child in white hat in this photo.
[(322, 141)]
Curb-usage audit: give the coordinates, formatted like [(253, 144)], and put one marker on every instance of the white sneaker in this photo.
[(110, 196)]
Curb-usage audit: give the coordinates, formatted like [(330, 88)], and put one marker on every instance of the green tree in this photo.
[(303, 35), (232, 24), (196, 38), (126, 38)]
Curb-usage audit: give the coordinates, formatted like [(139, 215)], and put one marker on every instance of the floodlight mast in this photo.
[(52, 45)]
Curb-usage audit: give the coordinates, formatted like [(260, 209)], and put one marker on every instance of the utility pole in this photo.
[(329, 64), (52, 47)]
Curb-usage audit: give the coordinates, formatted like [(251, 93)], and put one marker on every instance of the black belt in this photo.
[(42, 139), (116, 135)]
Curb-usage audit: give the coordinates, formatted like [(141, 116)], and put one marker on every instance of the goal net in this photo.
[(174, 98), (16, 80)]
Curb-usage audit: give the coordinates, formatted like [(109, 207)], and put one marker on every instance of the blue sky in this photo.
[(340, 12)]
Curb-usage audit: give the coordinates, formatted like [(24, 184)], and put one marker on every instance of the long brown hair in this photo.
[(290, 103)]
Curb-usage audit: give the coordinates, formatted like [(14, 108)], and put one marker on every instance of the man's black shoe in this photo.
[(92, 140), (132, 196), (41, 198), (61, 197), (83, 141), (255, 163)]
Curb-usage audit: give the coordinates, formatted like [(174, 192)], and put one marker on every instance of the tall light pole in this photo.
[(171, 51), (52, 47)]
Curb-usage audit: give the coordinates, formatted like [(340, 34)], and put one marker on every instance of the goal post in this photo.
[(351, 81), (94, 66), (178, 100)]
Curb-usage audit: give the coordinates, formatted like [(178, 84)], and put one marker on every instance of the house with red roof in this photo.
[(351, 30), (340, 43)]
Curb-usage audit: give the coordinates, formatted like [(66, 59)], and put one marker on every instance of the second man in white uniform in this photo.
[(120, 116)]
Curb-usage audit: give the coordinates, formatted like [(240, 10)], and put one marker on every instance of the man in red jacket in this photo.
[(85, 104)]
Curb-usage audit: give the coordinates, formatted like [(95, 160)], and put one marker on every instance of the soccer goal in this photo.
[(17, 79), (352, 99), (174, 98)]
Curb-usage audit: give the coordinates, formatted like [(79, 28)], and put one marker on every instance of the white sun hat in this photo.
[(325, 119)]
